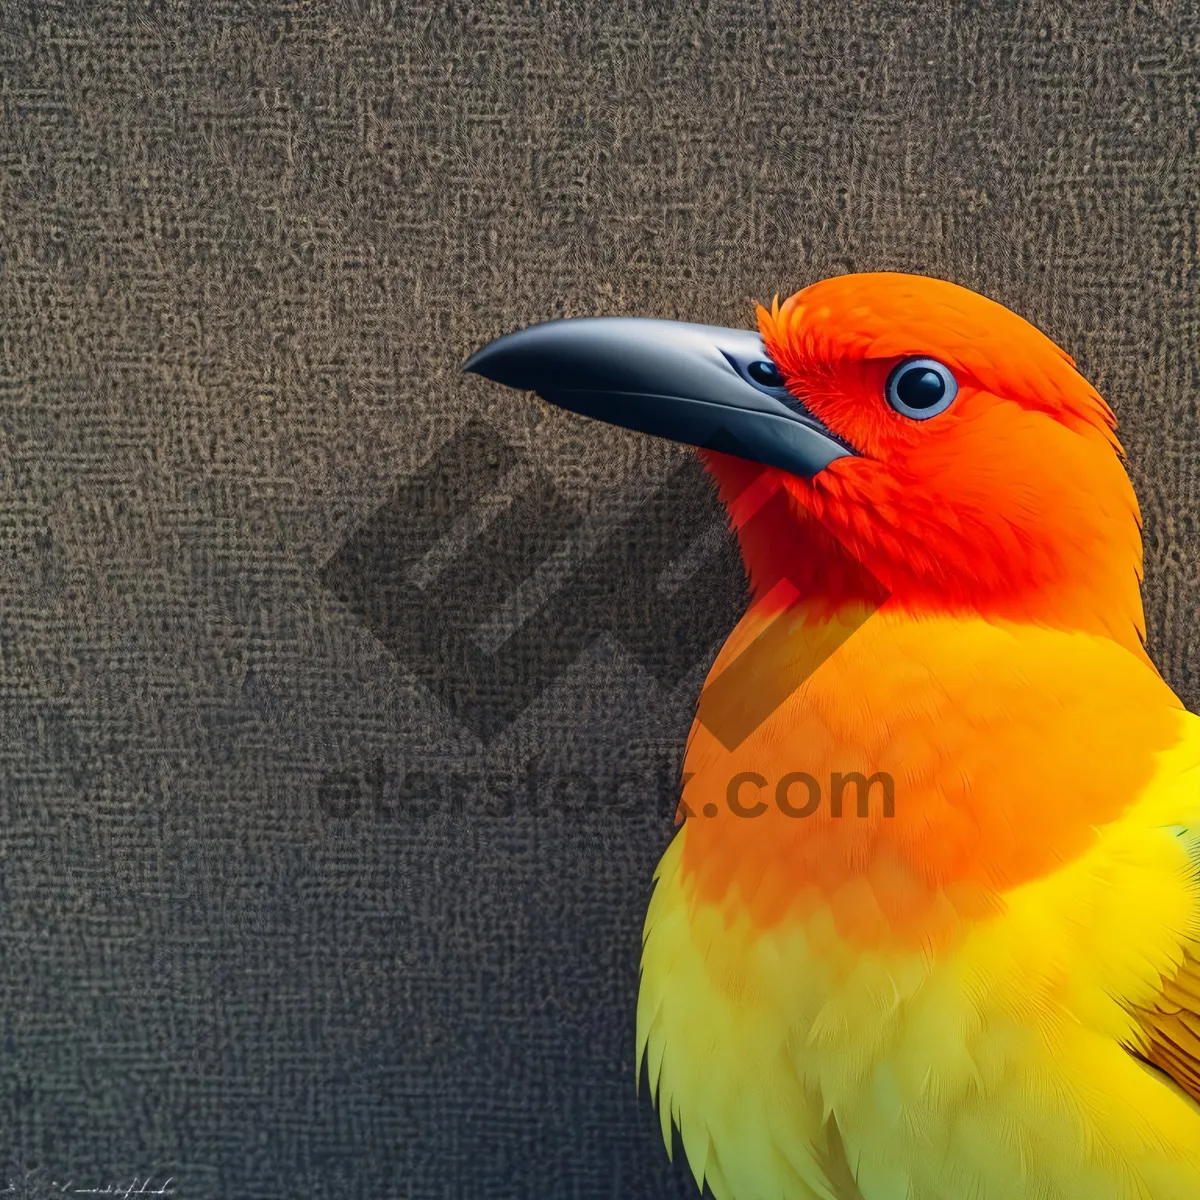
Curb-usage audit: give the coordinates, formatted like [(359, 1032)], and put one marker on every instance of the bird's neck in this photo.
[(837, 552)]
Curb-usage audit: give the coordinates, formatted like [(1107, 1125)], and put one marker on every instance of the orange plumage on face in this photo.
[(1013, 502)]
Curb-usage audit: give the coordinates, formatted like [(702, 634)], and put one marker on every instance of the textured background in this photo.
[(243, 250)]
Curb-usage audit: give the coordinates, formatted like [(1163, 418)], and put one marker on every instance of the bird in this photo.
[(985, 983)]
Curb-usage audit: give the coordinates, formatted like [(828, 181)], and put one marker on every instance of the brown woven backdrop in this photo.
[(271, 920)]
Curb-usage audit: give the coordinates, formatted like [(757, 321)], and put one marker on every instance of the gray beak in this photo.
[(697, 384)]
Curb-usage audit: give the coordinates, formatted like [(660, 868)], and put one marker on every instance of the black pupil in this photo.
[(920, 387), (766, 373)]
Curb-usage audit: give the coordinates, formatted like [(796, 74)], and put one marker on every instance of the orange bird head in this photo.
[(883, 438)]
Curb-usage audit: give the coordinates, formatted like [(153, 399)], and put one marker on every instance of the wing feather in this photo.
[(1171, 1025), (1172, 1028)]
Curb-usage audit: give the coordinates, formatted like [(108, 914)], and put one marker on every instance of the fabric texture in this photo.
[(328, 809)]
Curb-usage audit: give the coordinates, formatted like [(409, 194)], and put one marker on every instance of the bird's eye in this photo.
[(765, 373), (921, 388)]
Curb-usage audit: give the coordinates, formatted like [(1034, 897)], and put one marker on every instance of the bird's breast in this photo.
[(850, 1004), (903, 772)]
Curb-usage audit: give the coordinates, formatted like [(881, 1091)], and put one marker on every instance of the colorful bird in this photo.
[(985, 984)]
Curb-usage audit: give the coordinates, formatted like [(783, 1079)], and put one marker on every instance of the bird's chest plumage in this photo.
[(753, 1039), (831, 1005), (907, 770)]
